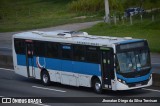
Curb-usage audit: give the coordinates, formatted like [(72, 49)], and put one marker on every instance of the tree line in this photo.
[(121, 5), (115, 5)]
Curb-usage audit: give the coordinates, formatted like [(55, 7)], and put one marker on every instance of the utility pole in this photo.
[(106, 18)]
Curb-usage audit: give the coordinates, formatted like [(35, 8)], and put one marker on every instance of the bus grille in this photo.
[(138, 83)]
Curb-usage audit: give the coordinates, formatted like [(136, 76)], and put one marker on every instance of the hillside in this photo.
[(18, 15)]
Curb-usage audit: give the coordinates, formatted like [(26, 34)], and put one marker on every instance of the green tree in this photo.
[(117, 7), (148, 4)]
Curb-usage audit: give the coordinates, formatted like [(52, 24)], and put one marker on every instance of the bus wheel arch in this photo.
[(45, 77), (96, 84)]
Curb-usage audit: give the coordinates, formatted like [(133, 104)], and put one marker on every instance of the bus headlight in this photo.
[(120, 80), (150, 77), (124, 82)]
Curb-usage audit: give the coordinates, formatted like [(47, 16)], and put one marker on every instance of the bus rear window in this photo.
[(19, 45)]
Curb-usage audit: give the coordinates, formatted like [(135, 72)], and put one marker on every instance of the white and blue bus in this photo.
[(78, 59)]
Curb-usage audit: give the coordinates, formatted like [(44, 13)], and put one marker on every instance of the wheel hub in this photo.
[(97, 86), (45, 78)]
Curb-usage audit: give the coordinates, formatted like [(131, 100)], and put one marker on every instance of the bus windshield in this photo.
[(133, 61)]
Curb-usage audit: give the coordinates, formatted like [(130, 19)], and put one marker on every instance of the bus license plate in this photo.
[(138, 85)]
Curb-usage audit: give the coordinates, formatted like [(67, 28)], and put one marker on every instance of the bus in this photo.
[(79, 59)]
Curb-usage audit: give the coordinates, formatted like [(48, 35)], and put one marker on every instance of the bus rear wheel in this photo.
[(45, 78), (97, 86)]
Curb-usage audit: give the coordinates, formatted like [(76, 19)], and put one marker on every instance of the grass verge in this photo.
[(145, 30), (18, 15)]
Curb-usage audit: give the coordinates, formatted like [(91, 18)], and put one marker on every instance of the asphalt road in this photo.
[(155, 60), (13, 85)]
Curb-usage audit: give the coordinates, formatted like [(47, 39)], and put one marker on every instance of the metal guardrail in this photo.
[(156, 79), (6, 61)]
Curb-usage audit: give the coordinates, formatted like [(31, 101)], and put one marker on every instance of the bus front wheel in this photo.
[(45, 78), (97, 86)]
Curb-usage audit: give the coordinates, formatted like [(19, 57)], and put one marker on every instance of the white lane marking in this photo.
[(155, 63), (6, 69), (5, 48), (151, 90), (49, 89), (40, 104)]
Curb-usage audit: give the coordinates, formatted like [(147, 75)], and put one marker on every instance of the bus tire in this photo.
[(45, 78), (97, 86)]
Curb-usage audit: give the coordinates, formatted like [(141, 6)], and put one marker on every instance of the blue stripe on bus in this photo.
[(21, 59), (63, 65), (132, 80), (130, 41)]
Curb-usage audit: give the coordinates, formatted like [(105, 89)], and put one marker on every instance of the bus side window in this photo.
[(79, 52), (92, 54), (39, 47), (52, 49), (66, 51), (19, 45)]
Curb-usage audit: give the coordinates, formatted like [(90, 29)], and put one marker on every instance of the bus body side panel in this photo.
[(21, 65), (63, 71), (72, 72), (19, 69), (86, 71)]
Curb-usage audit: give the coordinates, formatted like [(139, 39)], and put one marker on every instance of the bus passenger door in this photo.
[(30, 59), (107, 66)]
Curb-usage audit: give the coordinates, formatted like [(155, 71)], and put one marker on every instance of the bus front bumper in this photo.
[(116, 85)]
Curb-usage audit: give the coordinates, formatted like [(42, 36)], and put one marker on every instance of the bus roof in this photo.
[(74, 37)]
